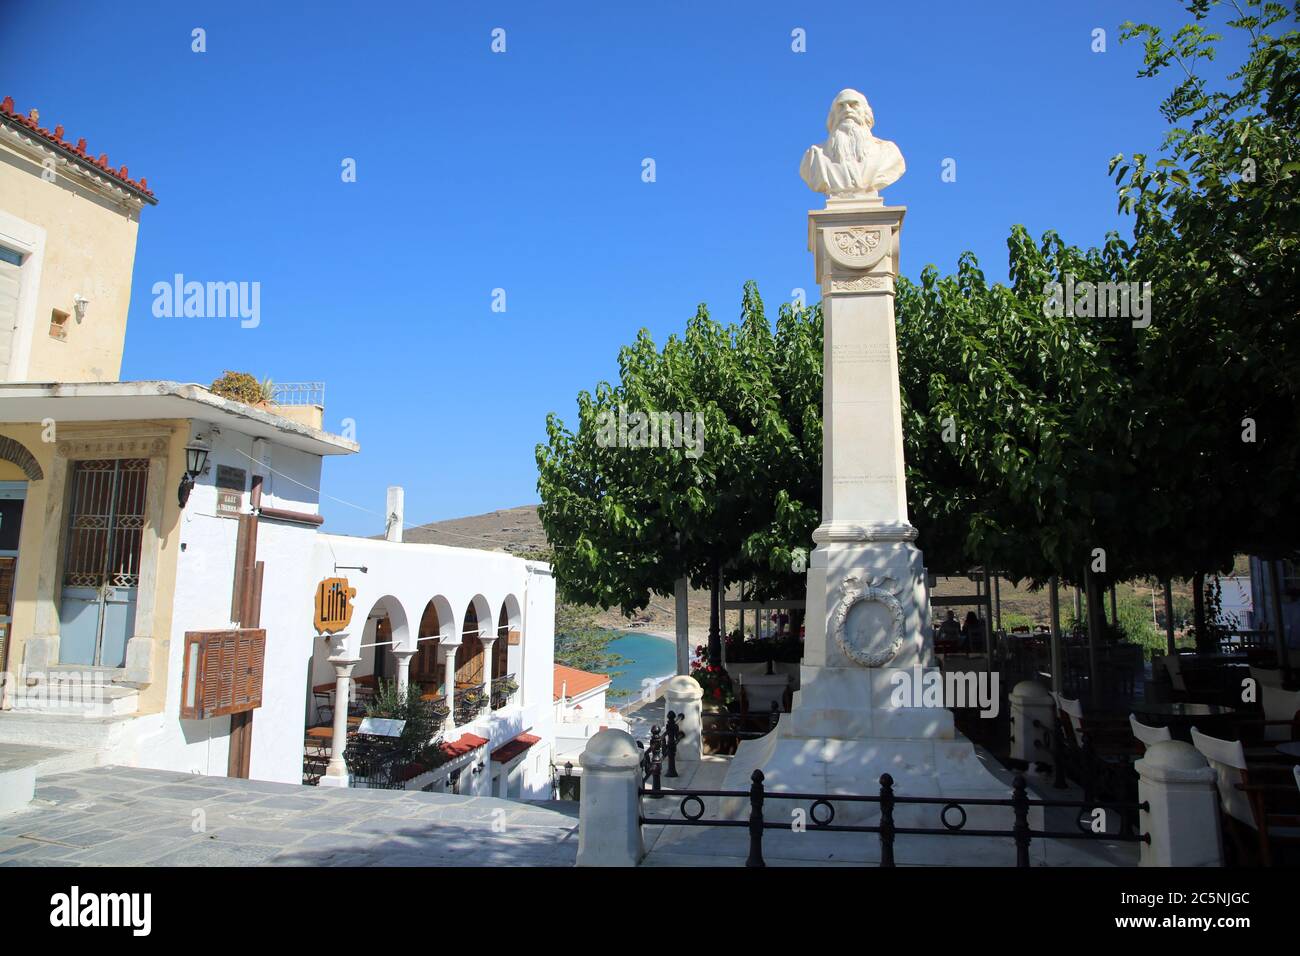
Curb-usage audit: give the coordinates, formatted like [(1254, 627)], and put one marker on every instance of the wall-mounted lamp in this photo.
[(196, 459), (79, 303)]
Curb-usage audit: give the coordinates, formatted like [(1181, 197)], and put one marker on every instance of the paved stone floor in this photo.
[(121, 816)]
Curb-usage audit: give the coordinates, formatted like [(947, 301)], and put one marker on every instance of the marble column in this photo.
[(344, 655), (402, 657), (448, 652), (487, 667)]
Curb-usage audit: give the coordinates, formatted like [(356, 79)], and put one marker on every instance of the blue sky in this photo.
[(522, 171)]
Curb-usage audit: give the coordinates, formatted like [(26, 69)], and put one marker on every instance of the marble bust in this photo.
[(851, 164)]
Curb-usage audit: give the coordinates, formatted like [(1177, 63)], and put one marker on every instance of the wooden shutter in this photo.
[(222, 673)]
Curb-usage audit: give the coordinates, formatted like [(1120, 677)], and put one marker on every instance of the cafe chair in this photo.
[(1174, 667), (1147, 735), (1266, 676), (1244, 797), (1098, 752), (324, 707), (1281, 714)]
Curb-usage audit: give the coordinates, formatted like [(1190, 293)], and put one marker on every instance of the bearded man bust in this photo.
[(851, 164)]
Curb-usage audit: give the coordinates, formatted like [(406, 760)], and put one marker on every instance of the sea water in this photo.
[(647, 655)]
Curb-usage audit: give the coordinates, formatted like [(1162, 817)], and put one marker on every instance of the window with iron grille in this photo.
[(106, 523)]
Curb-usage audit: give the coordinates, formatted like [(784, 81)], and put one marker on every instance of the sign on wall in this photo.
[(333, 605), (230, 490)]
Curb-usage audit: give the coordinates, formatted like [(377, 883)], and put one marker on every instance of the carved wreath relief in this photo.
[(867, 645)]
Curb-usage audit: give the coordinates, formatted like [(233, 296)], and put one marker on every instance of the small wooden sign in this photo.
[(513, 638), (333, 605)]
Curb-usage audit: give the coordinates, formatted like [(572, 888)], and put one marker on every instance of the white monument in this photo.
[(867, 606)]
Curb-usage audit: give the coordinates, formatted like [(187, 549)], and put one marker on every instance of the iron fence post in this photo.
[(671, 734), (756, 820), (1058, 753), (1020, 802), (886, 820), (655, 752)]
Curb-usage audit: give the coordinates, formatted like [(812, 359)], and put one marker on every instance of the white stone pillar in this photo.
[(395, 513), (609, 810), (402, 656), (336, 774), (344, 654), (487, 667), (1180, 787), (683, 695), (1032, 722), (448, 652)]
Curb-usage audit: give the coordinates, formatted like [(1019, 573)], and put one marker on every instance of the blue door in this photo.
[(101, 567)]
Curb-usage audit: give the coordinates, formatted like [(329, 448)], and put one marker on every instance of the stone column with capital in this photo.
[(448, 651), (345, 654), (488, 642), (402, 656)]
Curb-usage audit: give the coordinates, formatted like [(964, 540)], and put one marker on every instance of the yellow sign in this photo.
[(333, 605)]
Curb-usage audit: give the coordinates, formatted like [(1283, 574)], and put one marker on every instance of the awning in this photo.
[(463, 745), (508, 752)]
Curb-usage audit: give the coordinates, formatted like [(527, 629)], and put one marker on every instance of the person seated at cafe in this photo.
[(972, 633), (950, 629)]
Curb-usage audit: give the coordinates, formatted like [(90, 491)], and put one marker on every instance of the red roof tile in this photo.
[(463, 745), (508, 752), (78, 153), (576, 682)]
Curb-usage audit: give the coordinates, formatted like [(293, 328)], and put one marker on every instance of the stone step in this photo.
[(21, 765), (96, 737), (77, 698)]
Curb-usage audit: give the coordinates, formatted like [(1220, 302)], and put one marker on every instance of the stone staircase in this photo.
[(78, 718), (80, 692)]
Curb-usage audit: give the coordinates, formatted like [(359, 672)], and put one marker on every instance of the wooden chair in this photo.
[(1099, 753), (1147, 735), (1244, 797), (324, 707), (1281, 714)]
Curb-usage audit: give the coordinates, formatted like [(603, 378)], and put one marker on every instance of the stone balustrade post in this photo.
[(609, 810), (683, 695), (1183, 815)]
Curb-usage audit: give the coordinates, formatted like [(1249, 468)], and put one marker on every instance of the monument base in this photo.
[(845, 731)]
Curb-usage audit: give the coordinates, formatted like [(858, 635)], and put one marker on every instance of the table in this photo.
[(1291, 750)]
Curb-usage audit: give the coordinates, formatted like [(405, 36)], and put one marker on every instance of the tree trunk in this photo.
[(1198, 614), (1169, 617), (1096, 615), (715, 616)]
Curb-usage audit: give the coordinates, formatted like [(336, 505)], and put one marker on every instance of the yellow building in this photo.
[(68, 227)]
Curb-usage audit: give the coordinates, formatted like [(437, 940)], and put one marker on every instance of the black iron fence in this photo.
[(821, 812)]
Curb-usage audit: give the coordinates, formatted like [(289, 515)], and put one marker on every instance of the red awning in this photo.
[(508, 752), (463, 745)]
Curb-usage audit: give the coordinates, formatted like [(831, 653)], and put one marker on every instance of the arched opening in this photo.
[(426, 670), (469, 656), (501, 649)]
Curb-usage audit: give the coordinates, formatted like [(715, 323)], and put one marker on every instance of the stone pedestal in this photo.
[(867, 627)]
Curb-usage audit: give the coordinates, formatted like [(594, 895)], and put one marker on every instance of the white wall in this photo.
[(204, 581), (296, 557)]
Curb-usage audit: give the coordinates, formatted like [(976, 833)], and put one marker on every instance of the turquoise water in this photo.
[(650, 656)]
